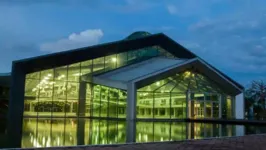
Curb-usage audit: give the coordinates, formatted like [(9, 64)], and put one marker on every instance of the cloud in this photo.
[(171, 9), (74, 40)]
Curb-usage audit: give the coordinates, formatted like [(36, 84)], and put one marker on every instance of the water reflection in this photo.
[(47, 132)]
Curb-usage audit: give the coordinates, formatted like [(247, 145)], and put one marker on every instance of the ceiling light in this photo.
[(114, 59)]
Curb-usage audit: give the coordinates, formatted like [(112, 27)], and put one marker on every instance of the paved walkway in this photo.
[(250, 142)]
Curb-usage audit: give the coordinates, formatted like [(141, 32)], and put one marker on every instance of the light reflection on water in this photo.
[(70, 132)]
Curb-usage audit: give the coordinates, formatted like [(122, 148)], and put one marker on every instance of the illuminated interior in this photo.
[(58, 99), (173, 97)]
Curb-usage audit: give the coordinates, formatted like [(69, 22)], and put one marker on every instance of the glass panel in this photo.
[(98, 65), (144, 105), (70, 133), (229, 107), (208, 109), (161, 131), (102, 132), (163, 52), (112, 132), (89, 100), (74, 72), (110, 62), (29, 133), (72, 98), (167, 86), (94, 135), (144, 132), (96, 100), (121, 59), (104, 101), (86, 70), (46, 86), (47, 75), (44, 132), (59, 98), (57, 132), (113, 100), (31, 97), (178, 105), (162, 105), (215, 110), (34, 75), (178, 131), (60, 73), (122, 103)]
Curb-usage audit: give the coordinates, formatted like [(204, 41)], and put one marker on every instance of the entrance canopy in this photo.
[(159, 68)]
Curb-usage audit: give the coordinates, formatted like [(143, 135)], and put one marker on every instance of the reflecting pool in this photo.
[(47, 132)]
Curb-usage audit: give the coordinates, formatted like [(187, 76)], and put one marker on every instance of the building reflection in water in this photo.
[(44, 132)]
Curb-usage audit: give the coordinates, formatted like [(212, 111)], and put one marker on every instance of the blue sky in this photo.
[(230, 34)]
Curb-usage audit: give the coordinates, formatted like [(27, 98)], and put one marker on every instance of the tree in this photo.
[(255, 97)]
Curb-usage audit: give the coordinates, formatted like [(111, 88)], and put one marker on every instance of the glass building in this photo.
[(142, 77)]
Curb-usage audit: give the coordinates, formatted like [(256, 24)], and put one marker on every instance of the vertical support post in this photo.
[(204, 103), (16, 107), (82, 99), (188, 104), (239, 108), (131, 113), (220, 106), (81, 113), (211, 109), (80, 131)]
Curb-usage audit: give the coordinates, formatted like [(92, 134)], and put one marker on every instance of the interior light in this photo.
[(77, 74), (187, 74), (114, 59)]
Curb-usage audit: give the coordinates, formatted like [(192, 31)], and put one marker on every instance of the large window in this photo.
[(176, 95)]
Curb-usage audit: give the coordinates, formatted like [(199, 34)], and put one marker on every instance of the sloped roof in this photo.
[(131, 72), (82, 54), (158, 68)]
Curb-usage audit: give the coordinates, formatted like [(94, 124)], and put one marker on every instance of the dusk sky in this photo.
[(229, 34)]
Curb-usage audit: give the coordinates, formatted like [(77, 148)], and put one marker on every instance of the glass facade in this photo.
[(185, 95), (57, 101), (68, 91)]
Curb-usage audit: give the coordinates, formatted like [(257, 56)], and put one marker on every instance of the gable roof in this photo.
[(158, 68), (82, 54)]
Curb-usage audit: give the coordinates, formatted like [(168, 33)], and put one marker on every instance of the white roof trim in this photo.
[(163, 70)]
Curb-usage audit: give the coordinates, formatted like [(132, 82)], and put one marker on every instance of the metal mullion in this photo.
[(182, 79), (52, 105), (188, 85), (153, 109), (78, 103), (37, 120), (196, 80), (100, 102), (176, 84), (170, 106), (204, 103), (65, 106), (117, 103), (108, 105), (162, 85)]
